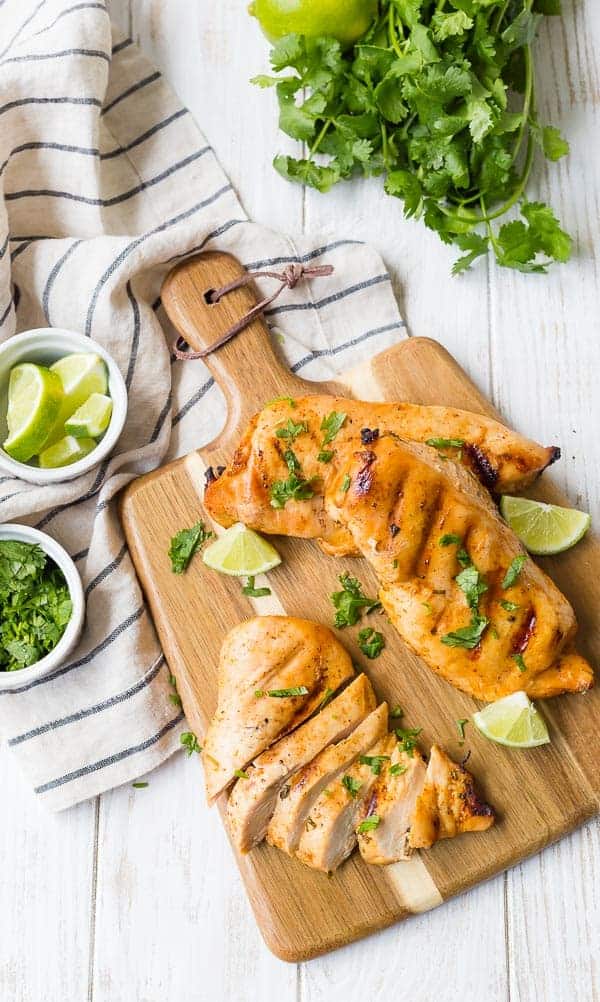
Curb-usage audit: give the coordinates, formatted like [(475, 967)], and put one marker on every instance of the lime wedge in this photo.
[(35, 396), (240, 552), (513, 721), (544, 528), (66, 451), (81, 374), (91, 419)]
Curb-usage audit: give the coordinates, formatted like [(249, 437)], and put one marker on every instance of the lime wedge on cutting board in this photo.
[(66, 451), (513, 721), (544, 528), (241, 552), (35, 398), (91, 419)]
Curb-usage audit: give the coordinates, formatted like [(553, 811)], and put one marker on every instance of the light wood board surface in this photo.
[(110, 902)]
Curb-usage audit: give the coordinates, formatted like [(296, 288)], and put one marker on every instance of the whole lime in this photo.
[(345, 20)]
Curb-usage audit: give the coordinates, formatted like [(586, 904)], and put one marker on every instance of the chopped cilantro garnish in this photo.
[(35, 604), (279, 400), (346, 483), (253, 592), (190, 742), (397, 711), (469, 636), (184, 544), (331, 425), (463, 558), (295, 690), (350, 601), (369, 824), (518, 658), (351, 785), (509, 606), (449, 539), (325, 456), (460, 725), (241, 774), (371, 642), (445, 443), (292, 429), (472, 584), (514, 571), (407, 738), (295, 488), (140, 785), (374, 762), (398, 769)]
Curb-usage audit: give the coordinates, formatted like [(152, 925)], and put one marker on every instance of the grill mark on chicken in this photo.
[(521, 641), (487, 473), (364, 477)]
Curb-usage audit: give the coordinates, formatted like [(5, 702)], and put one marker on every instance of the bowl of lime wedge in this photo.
[(63, 404)]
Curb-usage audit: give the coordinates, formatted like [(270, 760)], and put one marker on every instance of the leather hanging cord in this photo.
[(288, 279)]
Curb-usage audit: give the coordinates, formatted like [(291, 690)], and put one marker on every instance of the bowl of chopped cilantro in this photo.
[(42, 605)]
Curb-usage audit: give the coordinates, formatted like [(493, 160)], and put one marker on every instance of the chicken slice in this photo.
[(267, 654), (252, 800), (502, 460), (335, 814), (292, 813), (456, 583), (393, 801), (448, 804)]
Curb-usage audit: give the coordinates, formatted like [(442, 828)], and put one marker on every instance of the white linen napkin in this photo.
[(105, 181)]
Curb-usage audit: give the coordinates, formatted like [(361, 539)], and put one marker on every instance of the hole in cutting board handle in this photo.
[(210, 297)]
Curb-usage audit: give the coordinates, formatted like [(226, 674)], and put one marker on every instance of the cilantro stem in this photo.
[(392, 30), (321, 136)]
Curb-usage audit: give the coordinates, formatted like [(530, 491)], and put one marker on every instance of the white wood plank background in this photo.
[(135, 897)]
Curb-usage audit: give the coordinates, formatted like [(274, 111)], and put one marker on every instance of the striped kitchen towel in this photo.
[(105, 181)]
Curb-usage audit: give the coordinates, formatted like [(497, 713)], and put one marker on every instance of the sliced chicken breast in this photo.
[(253, 800), (292, 813), (392, 801), (448, 803), (325, 844), (261, 660)]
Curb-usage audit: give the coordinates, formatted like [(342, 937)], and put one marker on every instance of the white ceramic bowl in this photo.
[(23, 534), (44, 346)]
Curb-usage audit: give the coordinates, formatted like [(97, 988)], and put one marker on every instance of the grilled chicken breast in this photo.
[(393, 801), (331, 836), (292, 813), (501, 459), (253, 800), (456, 582), (260, 660), (448, 804)]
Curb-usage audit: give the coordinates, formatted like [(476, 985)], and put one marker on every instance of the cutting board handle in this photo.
[(246, 368)]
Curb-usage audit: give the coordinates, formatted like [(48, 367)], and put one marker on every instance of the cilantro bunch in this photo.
[(35, 605), (439, 99)]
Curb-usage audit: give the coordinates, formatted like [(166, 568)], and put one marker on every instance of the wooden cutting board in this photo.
[(539, 794)]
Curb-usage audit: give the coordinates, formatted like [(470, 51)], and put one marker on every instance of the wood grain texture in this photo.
[(539, 796)]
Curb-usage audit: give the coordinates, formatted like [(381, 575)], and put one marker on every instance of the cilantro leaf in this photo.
[(184, 544), (514, 570), (350, 601), (331, 425), (371, 643), (253, 592), (369, 824), (351, 785), (190, 742), (291, 429), (374, 762), (469, 636)]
